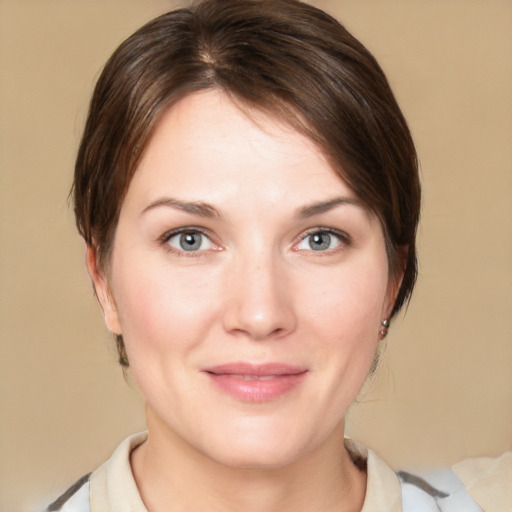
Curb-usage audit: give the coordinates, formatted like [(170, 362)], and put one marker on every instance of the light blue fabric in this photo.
[(444, 492), (79, 502)]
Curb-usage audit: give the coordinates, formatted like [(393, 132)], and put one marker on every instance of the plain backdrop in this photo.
[(444, 388)]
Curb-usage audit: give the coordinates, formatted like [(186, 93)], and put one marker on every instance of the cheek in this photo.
[(345, 319), (162, 310), (349, 300)]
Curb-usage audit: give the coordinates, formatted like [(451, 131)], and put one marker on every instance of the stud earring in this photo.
[(384, 328)]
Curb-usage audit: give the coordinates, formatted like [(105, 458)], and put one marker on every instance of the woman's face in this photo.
[(248, 283)]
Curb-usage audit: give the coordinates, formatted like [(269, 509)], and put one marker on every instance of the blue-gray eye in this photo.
[(190, 241), (319, 241)]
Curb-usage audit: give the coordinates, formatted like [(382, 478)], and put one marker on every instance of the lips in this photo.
[(256, 383)]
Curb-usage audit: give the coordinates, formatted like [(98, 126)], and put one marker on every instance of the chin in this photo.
[(259, 445), (259, 456)]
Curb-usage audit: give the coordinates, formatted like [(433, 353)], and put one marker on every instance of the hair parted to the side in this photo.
[(283, 57)]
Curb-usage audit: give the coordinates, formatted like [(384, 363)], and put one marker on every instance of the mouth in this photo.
[(256, 383), (254, 377)]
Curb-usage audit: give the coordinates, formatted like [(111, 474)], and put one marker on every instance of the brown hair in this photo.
[(286, 58)]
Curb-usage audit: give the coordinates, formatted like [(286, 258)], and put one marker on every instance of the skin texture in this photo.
[(255, 291)]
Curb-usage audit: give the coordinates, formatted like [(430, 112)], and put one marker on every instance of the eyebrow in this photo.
[(209, 211), (325, 206), (192, 207)]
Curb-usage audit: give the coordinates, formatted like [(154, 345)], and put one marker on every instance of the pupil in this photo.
[(320, 241), (190, 241)]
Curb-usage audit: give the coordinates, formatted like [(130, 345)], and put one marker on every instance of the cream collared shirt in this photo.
[(113, 488)]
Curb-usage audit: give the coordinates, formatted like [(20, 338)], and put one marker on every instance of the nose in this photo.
[(259, 300)]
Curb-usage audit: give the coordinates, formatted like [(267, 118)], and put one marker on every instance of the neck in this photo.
[(172, 476)]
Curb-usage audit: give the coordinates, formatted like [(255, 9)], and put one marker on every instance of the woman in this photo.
[(248, 191)]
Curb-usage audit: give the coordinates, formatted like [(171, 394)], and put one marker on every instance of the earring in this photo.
[(384, 328)]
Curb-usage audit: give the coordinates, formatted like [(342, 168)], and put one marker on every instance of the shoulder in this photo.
[(488, 480), (472, 485), (110, 488), (435, 490), (430, 491), (75, 499)]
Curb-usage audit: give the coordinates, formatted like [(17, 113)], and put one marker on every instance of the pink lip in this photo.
[(256, 383)]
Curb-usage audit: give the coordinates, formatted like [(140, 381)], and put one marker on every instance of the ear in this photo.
[(395, 281), (102, 290)]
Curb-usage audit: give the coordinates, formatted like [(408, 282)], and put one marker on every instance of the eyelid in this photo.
[(344, 238), (164, 240), (178, 231)]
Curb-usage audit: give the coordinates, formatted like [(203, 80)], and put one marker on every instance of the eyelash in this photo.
[(343, 238), (166, 237)]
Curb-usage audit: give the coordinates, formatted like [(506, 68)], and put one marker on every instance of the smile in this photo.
[(256, 383), (255, 377)]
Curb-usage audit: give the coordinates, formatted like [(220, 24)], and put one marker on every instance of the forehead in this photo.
[(207, 145)]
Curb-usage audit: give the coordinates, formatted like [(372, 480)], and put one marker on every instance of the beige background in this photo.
[(444, 390)]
